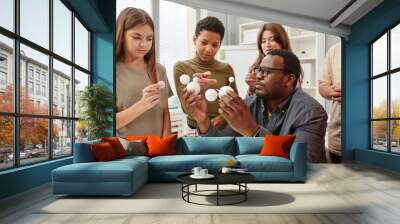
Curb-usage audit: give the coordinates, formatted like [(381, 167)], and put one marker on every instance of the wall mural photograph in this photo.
[(189, 111), (214, 77)]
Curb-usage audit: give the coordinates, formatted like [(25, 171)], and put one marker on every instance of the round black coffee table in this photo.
[(238, 179)]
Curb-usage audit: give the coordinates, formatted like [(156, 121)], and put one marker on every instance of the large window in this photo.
[(7, 14), (44, 63), (385, 95)]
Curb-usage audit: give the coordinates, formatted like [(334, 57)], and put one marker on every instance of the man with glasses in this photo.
[(277, 107)]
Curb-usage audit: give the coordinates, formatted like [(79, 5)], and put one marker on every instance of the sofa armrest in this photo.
[(298, 155), (83, 152)]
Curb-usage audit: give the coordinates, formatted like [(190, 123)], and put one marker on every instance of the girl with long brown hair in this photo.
[(141, 84), (271, 36)]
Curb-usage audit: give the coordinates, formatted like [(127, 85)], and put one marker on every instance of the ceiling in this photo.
[(328, 16), (319, 9)]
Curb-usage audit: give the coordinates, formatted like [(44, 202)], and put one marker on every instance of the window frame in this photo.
[(388, 74), (3, 74), (16, 115), (5, 58)]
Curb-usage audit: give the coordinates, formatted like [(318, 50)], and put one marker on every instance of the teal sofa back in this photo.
[(83, 152), (195, 146), (249, 145), (205, 145)]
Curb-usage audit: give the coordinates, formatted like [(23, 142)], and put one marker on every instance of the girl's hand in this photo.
[(251, 81), (151, 96)]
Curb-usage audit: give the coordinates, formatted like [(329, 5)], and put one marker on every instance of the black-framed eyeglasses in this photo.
[(265, 71)]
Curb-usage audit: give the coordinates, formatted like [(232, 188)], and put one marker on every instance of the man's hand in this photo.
[(336, 94), (237, 114), (218, 122), (204, 80)]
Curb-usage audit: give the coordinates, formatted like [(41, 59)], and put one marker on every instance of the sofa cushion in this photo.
[(161, 145), (136, 137), (277, 145), (205, 145), (257, 163), (93, 172), (116, 145), (112, 171), (103, 152), (134, 147), (131, 158), (185, 163), (249, 145)]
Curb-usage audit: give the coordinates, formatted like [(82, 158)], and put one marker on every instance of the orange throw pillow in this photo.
[(103, 151), (116, 145), (135, 138), (277, 145), (161, 146)]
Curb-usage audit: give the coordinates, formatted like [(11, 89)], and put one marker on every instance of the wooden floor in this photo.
[(377, 188)]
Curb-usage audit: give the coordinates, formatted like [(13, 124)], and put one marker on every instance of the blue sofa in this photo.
[(125, 176)]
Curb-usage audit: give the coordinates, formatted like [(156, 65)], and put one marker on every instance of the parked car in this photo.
[(57, 152), (36, 153), (22, 155), (10, 157)]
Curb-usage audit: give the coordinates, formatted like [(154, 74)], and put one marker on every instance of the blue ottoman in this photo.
[(118, 177)]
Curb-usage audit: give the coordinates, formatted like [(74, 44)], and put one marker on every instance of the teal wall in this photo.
[(379, 159), (103, 56), (99, 16), (356, 124), (103, 64), (24, 178)]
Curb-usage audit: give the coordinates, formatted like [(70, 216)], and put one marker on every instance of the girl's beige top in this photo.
[(130, 84)]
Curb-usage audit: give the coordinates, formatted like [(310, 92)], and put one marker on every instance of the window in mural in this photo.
[(43, 112), (385, 97)]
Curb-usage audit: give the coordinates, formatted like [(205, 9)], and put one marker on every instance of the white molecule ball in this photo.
[(193, 87), (184, 79), (161, 84), (195, 79), (231, 79), (211, 95), (224, 90)]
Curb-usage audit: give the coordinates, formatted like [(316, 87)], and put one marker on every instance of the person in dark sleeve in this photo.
[(278, 107)]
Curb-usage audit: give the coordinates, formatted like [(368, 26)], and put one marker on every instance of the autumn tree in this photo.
[(6, 122), (81, 129), (380, 127), (396, 124), (33, 130)]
